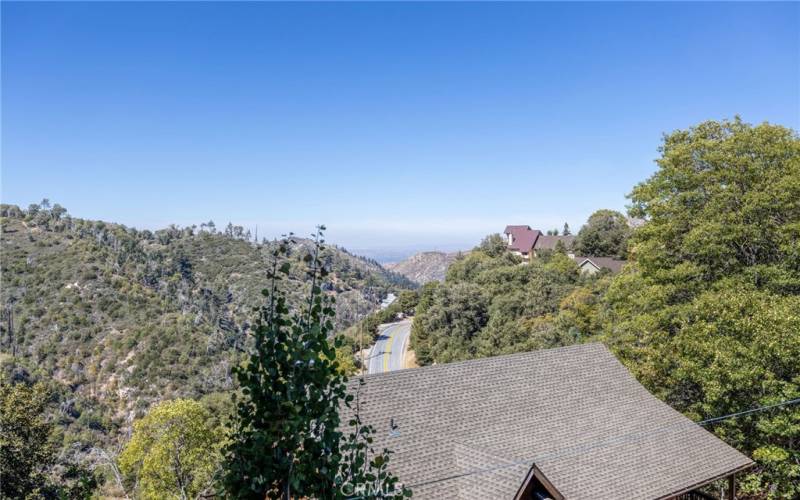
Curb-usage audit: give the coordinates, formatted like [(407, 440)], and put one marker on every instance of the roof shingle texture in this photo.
[(472, 430), (615, 265), (523, 237), (549, 242)]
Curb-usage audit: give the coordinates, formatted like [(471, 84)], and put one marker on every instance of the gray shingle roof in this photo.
[(549, 242), (472, 430), (615, 265)]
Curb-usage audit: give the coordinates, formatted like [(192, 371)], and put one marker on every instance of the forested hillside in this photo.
[(491, 303), (122, 318), (707, 312), (425, 266)]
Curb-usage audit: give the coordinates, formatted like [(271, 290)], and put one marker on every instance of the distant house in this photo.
[(592, 265), (565, 423), (521, 240), (550, 242), (526, 242)]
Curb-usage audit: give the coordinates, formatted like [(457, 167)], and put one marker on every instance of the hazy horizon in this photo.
[(382, 252), (400, 126)]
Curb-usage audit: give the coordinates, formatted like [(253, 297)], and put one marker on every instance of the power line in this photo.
[(586, 446), (747, 412)]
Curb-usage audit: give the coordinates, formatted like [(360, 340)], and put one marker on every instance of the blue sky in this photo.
[(405, 126)]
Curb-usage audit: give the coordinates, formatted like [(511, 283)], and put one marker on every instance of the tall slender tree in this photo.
[(286, 442)]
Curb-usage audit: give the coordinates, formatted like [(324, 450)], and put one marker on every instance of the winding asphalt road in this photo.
[(389, 350)]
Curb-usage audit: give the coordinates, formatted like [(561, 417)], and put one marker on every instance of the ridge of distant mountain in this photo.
[(125, 317), (425, 266)]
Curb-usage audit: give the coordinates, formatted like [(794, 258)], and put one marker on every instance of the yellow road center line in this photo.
[(387, 353)]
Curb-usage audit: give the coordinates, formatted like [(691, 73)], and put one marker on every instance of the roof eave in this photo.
[(706, 482)]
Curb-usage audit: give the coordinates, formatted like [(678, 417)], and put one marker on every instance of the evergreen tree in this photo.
[(286, 440)]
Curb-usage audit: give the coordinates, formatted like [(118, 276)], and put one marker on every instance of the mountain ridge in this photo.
[(124, 318), (425, 267)]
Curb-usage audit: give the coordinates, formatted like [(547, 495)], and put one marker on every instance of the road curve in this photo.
[(389, 350)]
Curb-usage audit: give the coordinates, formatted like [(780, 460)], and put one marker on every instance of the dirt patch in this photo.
[(410, 359)]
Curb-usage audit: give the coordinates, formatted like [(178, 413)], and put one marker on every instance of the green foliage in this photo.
[(468, 267), (173, 453), (456, 315), (707, 318), (26, 452), (582, 312), (345, 361), (725, 200), (407, 302), (127, 318), (493, 245), (285, 433), (75, 481), (285, 440), (605, 234), (493, 304), (420, 340)]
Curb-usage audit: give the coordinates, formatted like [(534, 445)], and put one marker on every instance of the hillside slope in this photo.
[(124, 317), (424, 267)]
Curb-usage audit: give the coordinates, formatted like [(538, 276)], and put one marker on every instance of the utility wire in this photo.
[(747, 412), (587, 446)]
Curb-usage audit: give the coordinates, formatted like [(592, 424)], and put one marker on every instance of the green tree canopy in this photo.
[(491, 305), (724, 201), (29, 463), (707, 318), (26, 452), (173, 452), (493, 245), (455, 315), (605, 234)]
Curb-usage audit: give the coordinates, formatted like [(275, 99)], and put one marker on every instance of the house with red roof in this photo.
[(525, 242)]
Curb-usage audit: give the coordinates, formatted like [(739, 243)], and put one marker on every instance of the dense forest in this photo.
[(707, 312), (114, 319)]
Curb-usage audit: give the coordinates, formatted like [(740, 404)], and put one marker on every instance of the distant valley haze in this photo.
[(408, 133), (388, 241)]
